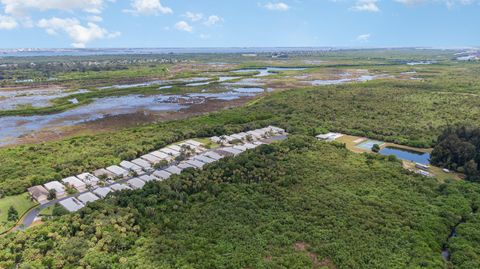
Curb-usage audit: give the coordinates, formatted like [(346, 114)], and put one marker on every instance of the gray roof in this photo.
[(37, 191), (204, 159), (170, 152), (117, 170), (74, 182), (55, 185), (234, 151), (148, 178), (213, 155), (136, 183), (103, 171), (162, 174), (120, 187), (88, 178), (71, 204), (151, 158), (142, 163), (161, 155), (102, 191), (184, 165), (173, 170), (87, 197), (195, 163), (130, 166)]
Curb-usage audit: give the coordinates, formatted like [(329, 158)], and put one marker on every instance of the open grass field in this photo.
[(21, 203)]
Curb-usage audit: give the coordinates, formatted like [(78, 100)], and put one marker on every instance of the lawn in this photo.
[(20, 202)]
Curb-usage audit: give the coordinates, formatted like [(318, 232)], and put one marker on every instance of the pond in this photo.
[(262, 72), (407, 155)]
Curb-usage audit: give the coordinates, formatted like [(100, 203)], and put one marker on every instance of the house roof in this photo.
[(37, 191), (185, 165), (147, 178), (74, 182), (151, 158), (136, 183), (71, 204), (170, 151), (87, 197), (102, 191), (103, 171), (130, 166), (194, 143), (142, 163), (173, 170), (161, 155), (117, 170), (204, 159), (162, 174), (120, 187), (55, 185), (195, 163), (213, 155), (88, 178)]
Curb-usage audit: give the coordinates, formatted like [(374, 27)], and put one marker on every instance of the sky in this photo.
[(238, 23)]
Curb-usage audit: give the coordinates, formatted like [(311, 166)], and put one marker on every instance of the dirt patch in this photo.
[(324, 263)]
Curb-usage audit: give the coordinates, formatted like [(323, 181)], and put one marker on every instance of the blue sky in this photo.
[(238, 23)]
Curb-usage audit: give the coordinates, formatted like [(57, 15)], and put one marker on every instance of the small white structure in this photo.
[(130, 166), (136, 183), (329, 137), (120, 187), (250, 145), (173, 170), (89, 179), (102, 192), (87, 197), (162, 174), (142, 163), (194, 143), (216, 139), (58, 187), (76, 183), (118, 171), (195, 163), (422, 166), (71, 204), (424, 173), (148, 178)]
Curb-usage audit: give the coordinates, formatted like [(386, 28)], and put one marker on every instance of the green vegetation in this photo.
[(458, 149), (398, 111), (292, 205), (20, 203)]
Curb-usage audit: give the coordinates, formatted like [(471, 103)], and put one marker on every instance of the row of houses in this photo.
[(134, 174), (248, 136)]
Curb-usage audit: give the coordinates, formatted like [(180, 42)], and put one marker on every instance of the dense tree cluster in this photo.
[(297, 204), (458, 148)]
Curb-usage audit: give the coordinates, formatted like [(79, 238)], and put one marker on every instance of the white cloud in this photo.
[(280, 6), (193, 16), (7, 23), (364, 37), (183, 26), (95, 18), (21, 7), (81, 35), (148, 7), (448, 3), (366, 5), (212, 20)]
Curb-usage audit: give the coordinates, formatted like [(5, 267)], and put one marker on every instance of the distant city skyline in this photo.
[(238, 23)]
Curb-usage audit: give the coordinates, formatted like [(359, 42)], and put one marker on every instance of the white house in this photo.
[(136, 183), (89, 179), (185, 165), (195, 163), (58, 187), (162, 174), (148, 178), (142, 163), (130, 166), (151, 158), (76, 183), (161, 155), (102, 192), (71, 204), (173, 170), (87, 197), (120, 187), (329, 137), (118, 171)]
